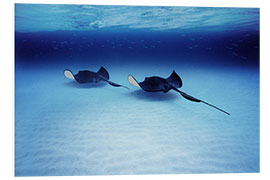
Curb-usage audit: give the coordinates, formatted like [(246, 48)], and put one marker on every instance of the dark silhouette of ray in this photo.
[(157, 84), (86, 76)]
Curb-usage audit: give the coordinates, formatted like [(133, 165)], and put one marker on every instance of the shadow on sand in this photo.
[(74, 84), (153, 96)]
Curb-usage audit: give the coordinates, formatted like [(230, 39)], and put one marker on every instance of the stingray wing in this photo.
[(68, 74), (103, 73), (175, 80), (133, 81)]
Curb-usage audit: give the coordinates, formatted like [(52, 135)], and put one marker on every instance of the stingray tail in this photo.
[(116, 85), (103, 73), (191, 98)]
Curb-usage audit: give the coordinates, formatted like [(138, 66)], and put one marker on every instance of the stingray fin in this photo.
[(133, 81), (68, 74), (103, 73), (175, 80)]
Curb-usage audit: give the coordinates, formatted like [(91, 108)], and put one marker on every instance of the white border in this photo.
[(7, 84)]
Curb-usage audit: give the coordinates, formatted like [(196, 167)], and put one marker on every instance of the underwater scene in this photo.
[(130, 90)]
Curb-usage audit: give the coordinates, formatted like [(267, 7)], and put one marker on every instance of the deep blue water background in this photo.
[(236, 48), (100, 32), (63, 128)]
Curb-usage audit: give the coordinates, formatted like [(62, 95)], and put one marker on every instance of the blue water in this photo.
[(64, 128)]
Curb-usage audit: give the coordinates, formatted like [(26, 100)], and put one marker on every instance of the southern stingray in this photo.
[(157, 84), (86, 76)]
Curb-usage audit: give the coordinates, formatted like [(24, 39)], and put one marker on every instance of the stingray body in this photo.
[(159, 84), (87, 76), (156, 84)]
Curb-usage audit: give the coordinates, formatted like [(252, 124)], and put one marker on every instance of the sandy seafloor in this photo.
[(63, 128)]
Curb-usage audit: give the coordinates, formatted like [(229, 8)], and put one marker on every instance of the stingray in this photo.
[(86, 76), (159, 84)]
